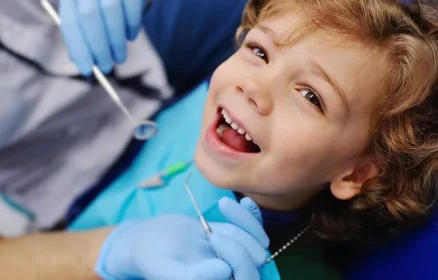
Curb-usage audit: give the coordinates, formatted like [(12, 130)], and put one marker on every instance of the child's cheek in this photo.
[(220, 78)]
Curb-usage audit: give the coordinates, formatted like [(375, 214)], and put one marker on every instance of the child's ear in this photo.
[(349, 184)]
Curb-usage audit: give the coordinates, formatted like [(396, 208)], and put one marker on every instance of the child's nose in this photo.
[(258, 94)]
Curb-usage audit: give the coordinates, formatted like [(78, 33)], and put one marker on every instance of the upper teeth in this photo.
[(235, 126)]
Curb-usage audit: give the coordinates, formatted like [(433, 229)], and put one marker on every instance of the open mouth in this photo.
[(233, 135)]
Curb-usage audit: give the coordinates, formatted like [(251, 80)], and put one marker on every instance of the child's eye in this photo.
[(258, 51), (312, 97)]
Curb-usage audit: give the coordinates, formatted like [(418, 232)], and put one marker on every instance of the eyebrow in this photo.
[(334, 84), (270, 33)]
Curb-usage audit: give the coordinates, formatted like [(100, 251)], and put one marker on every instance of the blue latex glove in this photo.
[(169, 247), (96, 31)]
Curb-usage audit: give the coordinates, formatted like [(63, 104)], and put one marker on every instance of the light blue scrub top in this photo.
[(176, 141)]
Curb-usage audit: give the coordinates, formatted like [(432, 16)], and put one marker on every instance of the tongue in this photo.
[(236, 141)]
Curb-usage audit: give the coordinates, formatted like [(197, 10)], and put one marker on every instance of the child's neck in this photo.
[(280, 203)]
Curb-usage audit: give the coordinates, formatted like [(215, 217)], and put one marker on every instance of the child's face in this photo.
[(307, 106)]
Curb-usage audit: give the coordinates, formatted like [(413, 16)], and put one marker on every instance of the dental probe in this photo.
[(204, 223)]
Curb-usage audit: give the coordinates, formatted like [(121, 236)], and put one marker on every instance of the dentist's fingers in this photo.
[(209, 269), (212, 269), (252, 207), (75, 40), (236, 256), (113, 16), (133, 15), (241, 217), (255, 250), (93, 27)]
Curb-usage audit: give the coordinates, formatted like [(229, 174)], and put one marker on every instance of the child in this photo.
[(325, 117)]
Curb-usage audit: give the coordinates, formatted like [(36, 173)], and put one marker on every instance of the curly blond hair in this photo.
[(404, 129)]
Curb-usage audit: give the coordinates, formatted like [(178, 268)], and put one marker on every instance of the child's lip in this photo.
[(217, 146)]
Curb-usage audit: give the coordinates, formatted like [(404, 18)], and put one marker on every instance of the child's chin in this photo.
[(216, 174), (214, 177), (213, 173)]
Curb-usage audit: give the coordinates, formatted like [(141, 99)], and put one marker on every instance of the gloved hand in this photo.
[(170, 247), (97, 30)]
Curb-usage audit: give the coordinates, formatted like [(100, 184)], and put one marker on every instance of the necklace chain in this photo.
[(285, 246)]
